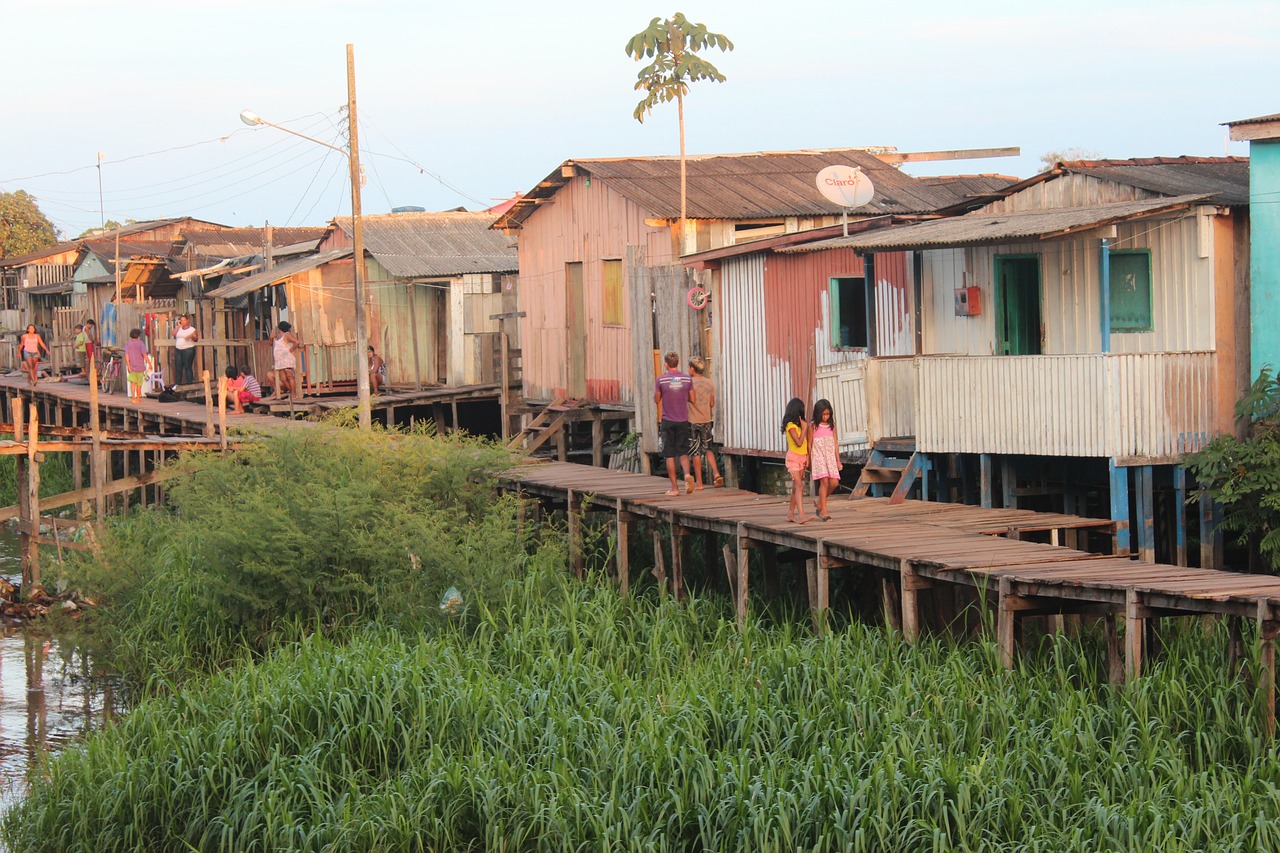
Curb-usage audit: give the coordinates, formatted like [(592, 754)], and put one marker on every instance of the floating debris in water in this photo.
[(451, 601)]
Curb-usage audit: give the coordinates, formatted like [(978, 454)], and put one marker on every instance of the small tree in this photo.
[(1244, 475), (673, 44), (23, 227)]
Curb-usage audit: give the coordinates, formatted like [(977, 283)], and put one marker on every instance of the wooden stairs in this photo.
[(894, 467), (545, 426)]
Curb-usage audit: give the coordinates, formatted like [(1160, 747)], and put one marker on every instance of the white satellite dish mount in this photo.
[(846, 186)]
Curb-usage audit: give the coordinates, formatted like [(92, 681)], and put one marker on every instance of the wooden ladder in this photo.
[(893, 462), (541, 429)]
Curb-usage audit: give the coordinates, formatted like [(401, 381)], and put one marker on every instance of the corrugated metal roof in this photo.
[(56, 287), (970, 188), (237, 242), (436, 244), (978, 228), (742, 186), (1224, 179), (1254, 120), (280, 273)]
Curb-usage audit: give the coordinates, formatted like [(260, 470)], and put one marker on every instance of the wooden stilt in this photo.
[(222, 412), (1235, 646), (659, 559), (769, 564), (1115, 660), (811, 578), (208, 404), (1144, 493), (1008, 482), (731, 571), (985, 478), (1180, 515), (31, 551), (1006, 614), (891, 603), (911, 584), (597, 438), (623, 521), (1134, 633), (1268, 629), (97, 477), (677, 561), (1119, 507), (574, 513), (1210, 534), (744, 546), (823, 565)]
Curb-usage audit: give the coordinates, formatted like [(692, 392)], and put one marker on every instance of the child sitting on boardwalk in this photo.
[(796, 430)]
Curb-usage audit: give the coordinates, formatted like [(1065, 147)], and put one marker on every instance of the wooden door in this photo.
[(440, 318), (575, 313), (1017, 305)]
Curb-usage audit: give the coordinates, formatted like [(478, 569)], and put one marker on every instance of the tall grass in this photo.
[(297, 533), (576, 720)]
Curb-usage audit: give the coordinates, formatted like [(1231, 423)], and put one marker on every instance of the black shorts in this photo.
[(675, 438)]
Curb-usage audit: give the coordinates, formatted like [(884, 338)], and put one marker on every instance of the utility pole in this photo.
[(357, 240)]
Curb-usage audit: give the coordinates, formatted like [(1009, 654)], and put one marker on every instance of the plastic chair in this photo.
[(155, 378)]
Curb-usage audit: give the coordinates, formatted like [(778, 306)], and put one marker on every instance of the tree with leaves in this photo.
[(673, 45), (23, 227), (1243, 474)]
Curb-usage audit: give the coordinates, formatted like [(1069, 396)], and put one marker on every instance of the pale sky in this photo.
[(462, 104)]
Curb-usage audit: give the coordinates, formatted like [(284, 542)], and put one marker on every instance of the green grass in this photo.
[(565, 718)]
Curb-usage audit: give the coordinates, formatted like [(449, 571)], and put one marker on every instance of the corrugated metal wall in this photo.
[(1152, 405), (586, 224), (895, 301), (1182, 292)]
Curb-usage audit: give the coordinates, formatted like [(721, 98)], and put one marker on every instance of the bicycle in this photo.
[(109, 376)]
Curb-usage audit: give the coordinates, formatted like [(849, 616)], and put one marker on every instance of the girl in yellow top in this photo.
[(796, 429)]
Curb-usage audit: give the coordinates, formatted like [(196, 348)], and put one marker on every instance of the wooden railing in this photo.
[(1124, 406)]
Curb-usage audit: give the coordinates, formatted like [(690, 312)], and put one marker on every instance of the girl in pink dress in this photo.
[(824, 455)]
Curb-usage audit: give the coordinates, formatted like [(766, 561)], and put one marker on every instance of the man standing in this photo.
[(673, 392)]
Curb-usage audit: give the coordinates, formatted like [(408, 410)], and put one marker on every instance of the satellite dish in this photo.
[(847, 186)]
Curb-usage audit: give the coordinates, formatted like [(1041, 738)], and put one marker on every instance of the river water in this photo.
[(47, 695)]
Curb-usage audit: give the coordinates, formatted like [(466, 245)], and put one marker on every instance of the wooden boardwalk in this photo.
[(918, 546)]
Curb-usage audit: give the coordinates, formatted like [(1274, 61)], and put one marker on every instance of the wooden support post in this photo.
[(731, 571), (453, 413), (821, 586), (1009, 482), (769, 564), (1210, 534), (574, 514), (892, 605), (97, 474), (1119, 507), (811, 578), (986, 475), (911, 584), (222, 411), (597, 438), (623, 521), (1115, 660), (1268, 629), (562, 442), (1235, 646), (659, 559), (31, 551), (730, 470), (1145, 508), (744, 546), (208, 404), (1135, 630), (504, 391), (1006, 614), (677, 560), (1180, 515)]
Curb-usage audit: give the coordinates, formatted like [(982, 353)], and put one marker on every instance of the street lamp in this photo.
[(352, 154)]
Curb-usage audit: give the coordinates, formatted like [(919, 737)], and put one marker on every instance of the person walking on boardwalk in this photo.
[(283, 346), (796, 429), (184, 351), (135, 364), (672, 393), (824, 455), (31, 345), (701, 412)]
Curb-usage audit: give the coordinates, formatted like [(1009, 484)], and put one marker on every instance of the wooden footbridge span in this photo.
[(916, 546)]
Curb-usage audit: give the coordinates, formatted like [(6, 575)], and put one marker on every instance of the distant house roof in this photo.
[(273, 276), (237, 242), (106, 249), (123, 231), (981, 228), (436, 244), (743, 186), (1224, 179)]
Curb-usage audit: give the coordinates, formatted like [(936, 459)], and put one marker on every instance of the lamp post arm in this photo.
[(341, 151)]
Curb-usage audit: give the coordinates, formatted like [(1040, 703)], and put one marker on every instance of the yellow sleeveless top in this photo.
[(803, 447)]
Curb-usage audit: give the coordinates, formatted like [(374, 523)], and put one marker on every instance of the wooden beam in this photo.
[(92, 492), (1135, 630), (677, 559), (910, 601), (574, 515), (744, 549), (623, 521), (1268, 629), (1005, 624), (895, 158)]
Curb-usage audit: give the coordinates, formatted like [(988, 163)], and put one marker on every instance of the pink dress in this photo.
[(823, 461)]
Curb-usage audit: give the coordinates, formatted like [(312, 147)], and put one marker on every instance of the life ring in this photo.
[(697, 298)]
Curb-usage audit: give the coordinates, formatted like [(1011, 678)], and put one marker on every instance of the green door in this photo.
[(1018, 305)]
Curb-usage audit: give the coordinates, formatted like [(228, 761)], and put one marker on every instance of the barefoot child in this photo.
[(135, 364), (824, 455), (31, 345), (796, 430)]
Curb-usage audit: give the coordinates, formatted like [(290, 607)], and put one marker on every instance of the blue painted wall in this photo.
[(1264, 253)]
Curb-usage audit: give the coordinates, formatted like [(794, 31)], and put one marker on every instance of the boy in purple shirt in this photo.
[(673, 391)]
